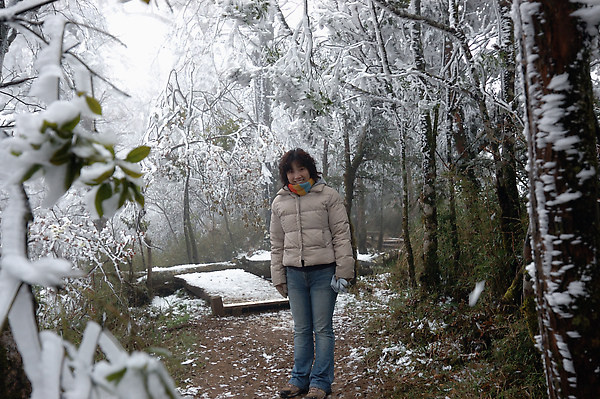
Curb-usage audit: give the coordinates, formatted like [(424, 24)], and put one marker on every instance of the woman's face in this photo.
[(298, 174)]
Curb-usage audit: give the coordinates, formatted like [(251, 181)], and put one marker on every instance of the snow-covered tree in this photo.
[(57, 141)]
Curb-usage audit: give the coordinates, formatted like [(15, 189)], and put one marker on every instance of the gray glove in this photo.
[(339, 285)]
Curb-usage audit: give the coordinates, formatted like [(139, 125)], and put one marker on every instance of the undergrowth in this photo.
[(432, 346)]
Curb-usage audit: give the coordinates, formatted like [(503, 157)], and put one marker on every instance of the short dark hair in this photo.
[(303, 158)]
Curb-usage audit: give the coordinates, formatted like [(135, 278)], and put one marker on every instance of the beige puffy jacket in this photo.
[(310, 230)]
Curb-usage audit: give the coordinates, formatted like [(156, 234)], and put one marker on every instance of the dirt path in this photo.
[(251, 356)]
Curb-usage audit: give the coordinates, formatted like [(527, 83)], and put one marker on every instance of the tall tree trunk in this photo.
[(361, 221), (455, 271), (451, 100), (430, 279), (563, 200), (149, 269), (325, 161), (381, 213), (506, 176), (188, 226), (351, 166), (227, 227), (410, 258), (431, 273)]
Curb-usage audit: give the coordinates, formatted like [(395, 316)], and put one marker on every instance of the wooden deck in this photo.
[(238, 308)]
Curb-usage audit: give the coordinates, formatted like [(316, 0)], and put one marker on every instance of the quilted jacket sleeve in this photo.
[(277, 236), (340, 232)]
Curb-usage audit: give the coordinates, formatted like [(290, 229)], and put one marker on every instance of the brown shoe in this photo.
[(290, 391), (316, 393)]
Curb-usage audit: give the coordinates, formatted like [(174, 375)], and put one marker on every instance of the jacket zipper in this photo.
[(299, 230)]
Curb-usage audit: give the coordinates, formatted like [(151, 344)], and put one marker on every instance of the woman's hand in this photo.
[(282, 288)]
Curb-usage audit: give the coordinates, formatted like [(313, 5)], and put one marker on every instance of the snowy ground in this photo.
[(251, 356)]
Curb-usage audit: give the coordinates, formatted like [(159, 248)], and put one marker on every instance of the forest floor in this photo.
[(251, 356), (379, 354)]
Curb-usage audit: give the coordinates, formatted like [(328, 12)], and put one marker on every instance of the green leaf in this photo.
[(64, 134), (124, 193), (130, 172), (104, 192), (31, 172), (117, 376), (137, 194), (69, 126), (137, 154), (94, 105), (62, 155), (104, 176), (47, 125)]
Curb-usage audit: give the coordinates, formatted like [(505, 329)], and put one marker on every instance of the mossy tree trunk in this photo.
[(430, 278), (431, 273)]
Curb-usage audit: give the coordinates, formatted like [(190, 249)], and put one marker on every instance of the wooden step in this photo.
[(237, 309)]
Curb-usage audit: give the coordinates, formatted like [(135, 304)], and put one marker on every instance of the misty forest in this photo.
[(462, 136)]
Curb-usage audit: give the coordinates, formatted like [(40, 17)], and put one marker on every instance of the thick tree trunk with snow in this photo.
[(563, 171), (431, 273)]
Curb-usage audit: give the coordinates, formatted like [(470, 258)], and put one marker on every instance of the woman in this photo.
[(311, 261)]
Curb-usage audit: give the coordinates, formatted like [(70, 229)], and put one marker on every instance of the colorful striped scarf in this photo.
[(302, 188)]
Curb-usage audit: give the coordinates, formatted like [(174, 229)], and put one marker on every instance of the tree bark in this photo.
[(563, 172)]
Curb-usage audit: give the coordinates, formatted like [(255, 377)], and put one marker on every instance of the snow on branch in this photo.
[(22, 7), (54, 143)]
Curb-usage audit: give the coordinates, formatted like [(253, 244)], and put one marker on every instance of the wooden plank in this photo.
[(216, 304), (257, 303), (237, 309)]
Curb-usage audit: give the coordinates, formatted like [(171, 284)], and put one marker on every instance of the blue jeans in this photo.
[(312, 301)]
